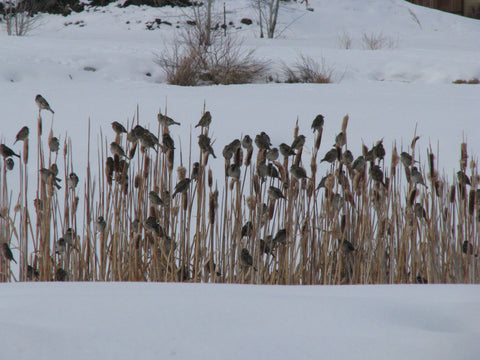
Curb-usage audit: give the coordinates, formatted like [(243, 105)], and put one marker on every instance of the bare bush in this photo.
[(377, 41), (345, 40), (308, 70), (18, 21)]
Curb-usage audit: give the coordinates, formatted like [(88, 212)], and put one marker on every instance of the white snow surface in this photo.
[(198, 321)]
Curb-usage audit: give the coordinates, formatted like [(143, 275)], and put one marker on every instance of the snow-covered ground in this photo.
[(193, 321), (386, 92)]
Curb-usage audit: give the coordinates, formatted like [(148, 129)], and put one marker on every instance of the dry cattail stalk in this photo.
[(75, 205), (431, 165), (138, 182), (256, 184), (238, 159), (310, 188), (471, 202), (248, 158), (318, 140), (25, 151), (412, 196), (170, 159), (330, 182), (298, 157), (451, 196), (109, 165), (181, 173), (261, 156), (175, 210), (414, 142), (394, 163), (343, 223), (231, 184), (132, 151), (210, 178), (463, 156)]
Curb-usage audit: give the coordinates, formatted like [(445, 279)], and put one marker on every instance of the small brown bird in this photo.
[(234, 171), (379, 150), (317, 123), (417, 177), (272, 154), (6, 152), (43, 104), (72, 180), (420, 211), (406, 159), (347, 157), (100, 224), (151, 224), (359, 164), (9, 163), (340, 139), (228, 152), (195, 171), (272, 171), (246, 260), (267, 245), (347, 246), (70, 236), (330, 156), (298, 172), (376, 173), (205, 120), (155, 199), (280, 237), (262, 141), (286, 150), (298, 142), (7, 253), (32, 273), (118, 128), (247, 142), (149, 140), (247, 229), (22, 134), (262, 169), (467, 248), (46, 174), (61, 275), (168, 143), (116, 149), (60, 246), (204, 143), (165, 120), (275, 193), (53, 144), (181, 187), (463, 178)]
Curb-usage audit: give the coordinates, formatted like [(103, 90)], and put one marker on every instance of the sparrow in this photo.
[(340, 139), (376, 173), (247, 142), (379, 150), (247, 229), (9, 163), (152, 225), (69, 236), (72, 180), (204, 143), (420, 211), (272, 171), (417, 177), (6, 152), (347, 157), (286, 150), (347, 246), (46, 174), (165, 120), (118, 128), (60, 246), (205, 120), (298, 172), (22, 134), (467, 248), (246, 260), (149, 140), (168, 143), (181, 187), (267, 245), (298, 142), (195, 171), (275, 193), (61, 275), (53, 144), (272, 154), (43, 104), (330, 156), (228, 152), (7, 253), (155, 199), (234, 171), (359, 164), (100, 224), (463, 178), (262, 141), (116, 149), (280, 237), (317, 123), (406, 159), (32, 273)]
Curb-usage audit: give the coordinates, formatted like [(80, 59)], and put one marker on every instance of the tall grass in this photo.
[(355, 224)]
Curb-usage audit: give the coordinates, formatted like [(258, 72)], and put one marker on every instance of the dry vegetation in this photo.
[(368, 219), (308, 70)]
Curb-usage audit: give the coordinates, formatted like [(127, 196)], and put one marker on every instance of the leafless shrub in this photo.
[(345, 40), (377, 41), (18, 21), (308, 70)]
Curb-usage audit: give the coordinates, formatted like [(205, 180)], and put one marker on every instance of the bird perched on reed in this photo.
[(72, 180), (47, 174), (7, 253), (317, 123), (298, 172), (359, 164), (340, 139), (195, 171), (298, 142), (406, 159), (42, 104), (181, 187), (376, 173), (204, 143), (53, 144), (60, 246), (22, 134), (118, 128), (151, 224), (262, 141), (228, 152), (272, 154), (100, 224), (330, 156), (280, 237), (155, 199), (61, 275), (347, 157), (379, 150), (463, 178), (286, 150), (116, 149), (246, 260), (165, 120), (275, 193), (267, 246), (247, 229), (6, 152), (9, 163), (347, 246), (149, 140), (205, 120), (234, 171), (416, 176), (168, 143), (247, 142)]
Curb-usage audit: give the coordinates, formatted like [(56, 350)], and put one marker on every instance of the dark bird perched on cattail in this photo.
[(417, 177), (118, 128), (275, 193), (155, 199), (379, 150), (286, 150), (463, 178), (9, 163), (330, 156), (298, 142), (165, 120), (61, 275), (376, 173), (272, 154), (317, 123), (347, 246), (234, 171), (100, 224), (340, 139), (60, 246), (467, 248), (72, 180), (205, 120), (247, 229), (420, 211), (204, 143), (32, 273), (228, 152), (149, 140), (322, 182), (22, 134), (267, 245), (406, 159), (195, 171), (53, 144), (262, 141), (7, 253), (151, 224), (46, 174), (347, 157), (359, 164), (116, 149), (247, 142), (6, 152), (42, 103), (298, 172), (272, 171), (168, 143), (181, 187), (262, 169), (136, 133), (246, 260), (280, 237), (70, 236)]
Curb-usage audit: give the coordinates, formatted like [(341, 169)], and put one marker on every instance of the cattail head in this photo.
[(394, 163), (138, 181), (181, 173), (170, 159), (256, 184), (210, 178), (463, 156), (298, 156), (132, 151), (451, 195), (471, 202), (251, 203), (248, 158), (25, 151), (310, 187), (271, 210), (212, 206), (238, 158)]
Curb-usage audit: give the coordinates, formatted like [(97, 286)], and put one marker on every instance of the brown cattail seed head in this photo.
[(238, 157), (138, 181), (318, 140), (412, 196), (132, 151), (170, 159), (471, 202), (39, 125), (395, 159), (181, 173), (463, 156), (313, 166), (251, 203), (25, 151), (184, 201), (310, 187), (210, 178), (256, 184), (146, 166), (298, 156), (451, 196), (248, 158)]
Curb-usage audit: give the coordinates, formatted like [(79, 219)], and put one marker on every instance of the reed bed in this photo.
[(151, 211)]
